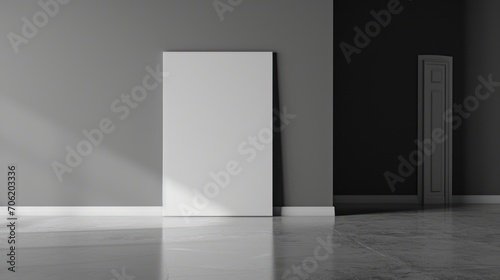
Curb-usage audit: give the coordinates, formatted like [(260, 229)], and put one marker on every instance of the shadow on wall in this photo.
[(278, 189)]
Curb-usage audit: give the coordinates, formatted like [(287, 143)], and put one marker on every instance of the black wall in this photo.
[(375, 96), (477, 164)]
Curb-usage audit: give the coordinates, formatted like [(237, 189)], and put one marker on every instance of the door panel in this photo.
[(437, 167), (435, 98)]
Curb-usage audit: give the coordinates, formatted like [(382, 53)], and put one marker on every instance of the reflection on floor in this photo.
[(371, 208), (457, 243)]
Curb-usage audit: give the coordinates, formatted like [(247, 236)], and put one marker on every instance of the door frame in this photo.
[(448, 62)]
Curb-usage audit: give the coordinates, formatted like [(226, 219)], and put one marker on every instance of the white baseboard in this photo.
[(132, 211), (298, 211), (476, 199), (144, 211), (138, 211)]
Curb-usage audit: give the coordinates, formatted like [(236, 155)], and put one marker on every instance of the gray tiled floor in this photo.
[(458, 243)]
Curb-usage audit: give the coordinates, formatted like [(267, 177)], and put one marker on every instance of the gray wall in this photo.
[(65, 78)]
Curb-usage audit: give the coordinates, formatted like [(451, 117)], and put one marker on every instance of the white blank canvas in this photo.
[(217, 134)]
